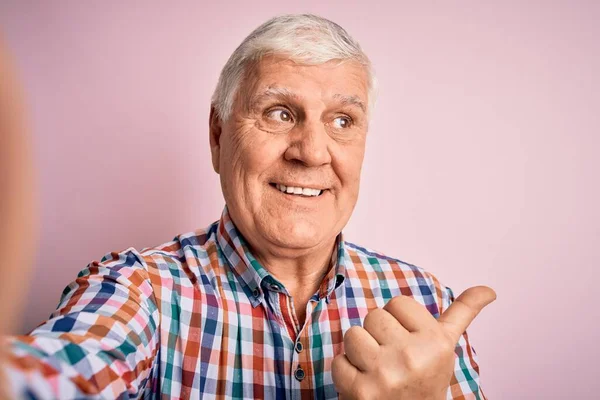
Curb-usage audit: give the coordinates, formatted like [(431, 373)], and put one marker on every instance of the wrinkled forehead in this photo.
[(344, 81)]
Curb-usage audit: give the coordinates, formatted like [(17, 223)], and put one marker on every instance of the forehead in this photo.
[(334, 80)]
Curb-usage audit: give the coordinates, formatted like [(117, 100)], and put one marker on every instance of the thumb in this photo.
[(464, 309)]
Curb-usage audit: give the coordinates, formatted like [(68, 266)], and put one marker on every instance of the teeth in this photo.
[(298, 190)]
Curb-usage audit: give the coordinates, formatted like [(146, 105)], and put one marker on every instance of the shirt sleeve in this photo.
[(465, 382), (101, 342)]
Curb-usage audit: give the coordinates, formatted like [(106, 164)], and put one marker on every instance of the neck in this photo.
[(300, 272), (304, 269)]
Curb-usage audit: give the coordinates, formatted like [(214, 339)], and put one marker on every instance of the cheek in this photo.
[(349, 165), (250, 153), (262, 154), (236, 151)]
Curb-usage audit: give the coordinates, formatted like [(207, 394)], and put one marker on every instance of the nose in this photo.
[(309, 145)]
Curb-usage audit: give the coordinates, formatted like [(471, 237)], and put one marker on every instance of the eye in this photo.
[(342, 122), (280, 115)]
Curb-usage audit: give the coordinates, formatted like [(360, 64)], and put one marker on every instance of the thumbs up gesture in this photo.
[(402, 351)]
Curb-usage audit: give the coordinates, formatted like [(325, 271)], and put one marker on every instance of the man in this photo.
[(270, 301)]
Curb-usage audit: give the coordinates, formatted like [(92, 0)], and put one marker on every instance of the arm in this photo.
[(102, 341), (17, 211)]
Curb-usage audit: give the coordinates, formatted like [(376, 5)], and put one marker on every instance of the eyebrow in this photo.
[(270, 92), (285, 93), (351, 100)]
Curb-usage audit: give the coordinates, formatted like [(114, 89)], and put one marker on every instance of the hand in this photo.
[(17, 209), (17, 197), (403, 352)]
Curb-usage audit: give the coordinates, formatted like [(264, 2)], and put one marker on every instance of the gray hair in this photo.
[(304, 38)]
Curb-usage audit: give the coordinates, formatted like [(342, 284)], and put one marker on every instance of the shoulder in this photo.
[(181, 250), (389, 277), (175, 261), (368, 260), (374, 257)]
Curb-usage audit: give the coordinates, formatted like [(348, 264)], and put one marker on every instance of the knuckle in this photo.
[(335, 364), (373, 318), (395, 302), (446, 346), (398, 302), (362, 392), (351, 334), (444, 343), (352, 339), (336, 374), (391, 379), (411, 359)]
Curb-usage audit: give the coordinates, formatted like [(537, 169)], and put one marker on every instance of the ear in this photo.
[(215, 126)]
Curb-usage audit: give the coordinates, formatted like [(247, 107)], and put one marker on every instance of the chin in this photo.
[(298, 235)]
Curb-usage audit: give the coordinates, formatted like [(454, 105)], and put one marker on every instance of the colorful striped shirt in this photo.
[(199, 316)]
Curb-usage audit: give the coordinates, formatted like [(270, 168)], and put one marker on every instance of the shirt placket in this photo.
[(301, 378), (302, 368)]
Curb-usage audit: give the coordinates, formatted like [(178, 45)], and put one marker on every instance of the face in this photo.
[(291, 153)]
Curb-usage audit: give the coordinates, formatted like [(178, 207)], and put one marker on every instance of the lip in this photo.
[(307, 186), (296, 197)]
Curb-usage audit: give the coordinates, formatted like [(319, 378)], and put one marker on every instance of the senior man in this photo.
[(269, 301)]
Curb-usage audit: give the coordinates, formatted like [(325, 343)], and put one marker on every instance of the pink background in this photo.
[(481, 164)]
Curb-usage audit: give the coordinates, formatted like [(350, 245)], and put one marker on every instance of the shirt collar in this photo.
[(254, 278)]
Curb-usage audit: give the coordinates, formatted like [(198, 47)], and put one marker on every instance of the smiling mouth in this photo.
[(297, 191)]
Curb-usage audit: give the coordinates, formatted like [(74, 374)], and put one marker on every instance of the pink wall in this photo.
[(481, 165)]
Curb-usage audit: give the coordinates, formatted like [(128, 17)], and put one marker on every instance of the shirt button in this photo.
[(299, 347), (275, 288), (255, 293), (299, 374)]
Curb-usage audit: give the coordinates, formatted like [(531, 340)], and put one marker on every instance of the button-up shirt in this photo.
[(200, 316)]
